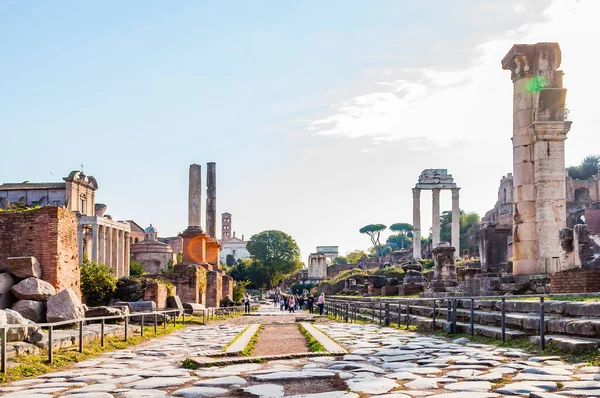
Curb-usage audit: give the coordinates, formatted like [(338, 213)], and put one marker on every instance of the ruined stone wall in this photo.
[(227, 286), (335, 269), (576, 281), (189, 280), (214, 288), (48, 234), (157, 292)]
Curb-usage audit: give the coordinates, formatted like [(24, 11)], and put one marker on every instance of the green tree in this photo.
[(339, 260), (374, 231), (469, 225), (589, 167), (136, 268), (354, 256), (239, 288), (98, 283), (179, 257), (403, 229), (275, 254), (230, 260)]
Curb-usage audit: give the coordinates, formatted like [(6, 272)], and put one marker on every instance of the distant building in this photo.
[(230, 244), (151, 253), (319, 261), (99, 237)]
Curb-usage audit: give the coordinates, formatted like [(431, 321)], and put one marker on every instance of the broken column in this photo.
[(194, 246), (416, 223), (445, 278), (211, 200), (538, 156)]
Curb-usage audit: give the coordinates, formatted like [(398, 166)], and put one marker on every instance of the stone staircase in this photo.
[(571, 325)]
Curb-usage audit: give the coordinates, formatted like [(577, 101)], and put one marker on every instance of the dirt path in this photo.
[(282, 338)]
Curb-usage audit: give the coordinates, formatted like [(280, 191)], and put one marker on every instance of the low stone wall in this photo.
[(576, 281), (214, 288), (157, 292), (189, 280), (227, 286)]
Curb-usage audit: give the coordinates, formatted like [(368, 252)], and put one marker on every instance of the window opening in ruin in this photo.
[(582, 195)]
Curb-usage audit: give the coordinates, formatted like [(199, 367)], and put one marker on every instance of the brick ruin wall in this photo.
[(214, 288), (48, 234), (578, 280), (227, 286), (189, 280)]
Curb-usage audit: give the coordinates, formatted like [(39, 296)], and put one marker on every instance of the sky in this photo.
[(319, 115)]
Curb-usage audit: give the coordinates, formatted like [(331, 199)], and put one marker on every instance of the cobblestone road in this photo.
[(383, 362)]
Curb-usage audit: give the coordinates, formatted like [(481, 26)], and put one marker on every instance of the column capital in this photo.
[(436, 192), (455, 193), (416, 193), (549, 131)]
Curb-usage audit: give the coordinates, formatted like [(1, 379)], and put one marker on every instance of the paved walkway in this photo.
[(383, 362)]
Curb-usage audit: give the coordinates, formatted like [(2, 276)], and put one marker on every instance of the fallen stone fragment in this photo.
[(33, 289)]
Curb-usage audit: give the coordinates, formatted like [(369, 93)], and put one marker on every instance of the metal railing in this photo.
[(348, 310), (144, 316)]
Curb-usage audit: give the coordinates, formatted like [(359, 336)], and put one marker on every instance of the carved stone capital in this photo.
[(525, 60)]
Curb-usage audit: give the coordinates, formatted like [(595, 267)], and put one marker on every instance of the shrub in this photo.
[(239, 288), (98, 283), (136, 268)]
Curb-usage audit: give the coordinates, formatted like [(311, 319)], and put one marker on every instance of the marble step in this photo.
[(567, 343)]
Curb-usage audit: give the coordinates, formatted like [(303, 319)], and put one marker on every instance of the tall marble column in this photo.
[(80, 243), (416, 223), (211, 200), (127, 252), (195, 198), (539, 131), (115, 250), (435, 214), (95, 242), (121, 257), (456, 222), (102, 245), (109, 248)]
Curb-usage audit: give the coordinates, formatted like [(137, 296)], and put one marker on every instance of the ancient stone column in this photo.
[(80, 242), (211, 200), (455, 222), (95, 241), (539, 131), (109, 248), (435, 214), (416, 223), (115, 251), (127, 252), (102, 245), (195, 198)]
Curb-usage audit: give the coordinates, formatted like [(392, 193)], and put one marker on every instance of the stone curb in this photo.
[(330, 346), (238, 346)]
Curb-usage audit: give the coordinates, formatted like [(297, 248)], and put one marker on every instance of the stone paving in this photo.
[(382, 362)]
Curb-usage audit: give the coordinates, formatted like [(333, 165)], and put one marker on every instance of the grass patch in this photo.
[(36, 365), (247, 351), (312, 344)]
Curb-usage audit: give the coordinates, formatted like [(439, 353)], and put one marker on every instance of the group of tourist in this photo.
[(291, 303)]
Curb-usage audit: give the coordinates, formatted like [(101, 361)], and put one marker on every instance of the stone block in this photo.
[(175, 303), (141, 306), (156, 292), (7, 281), (16, 334), (582, 309), (64, 306), (23, 267), (33, 310), (194, 309), (33, 289), (583, 327), (94, 312)]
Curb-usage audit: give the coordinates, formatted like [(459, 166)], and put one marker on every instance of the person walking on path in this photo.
[(246, 303), (281, 303), (292, 304), (310, 304), (321, 303)]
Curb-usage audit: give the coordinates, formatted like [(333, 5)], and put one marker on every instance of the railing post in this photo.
[(449, 316), (164, 320), (183, 314), (102, 333), (387, 313), (407, 314), (174, 319), (155, 324), (503, 320), (203, 316), (433, 318), (346, 317), (81, 336), (399, 314), (542, 325), (3, 364), (142, 328), (454, 317), (50, 344), (126, 326), (373, 316), (472, 317), (380, 312)]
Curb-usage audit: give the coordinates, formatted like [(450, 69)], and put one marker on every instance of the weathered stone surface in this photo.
[(526, 387), (64, 306), (23, 267), (194, 309), (6, 283), (33, 310), (266, 390), (33, 289), (479, 386), (175, 302), (93, 312), (14, 318), (193, 392), (371, 385)]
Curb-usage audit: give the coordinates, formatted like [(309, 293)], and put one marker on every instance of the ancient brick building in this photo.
[(48, 234)]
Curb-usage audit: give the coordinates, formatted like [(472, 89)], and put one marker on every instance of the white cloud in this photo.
[(427, 105)]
